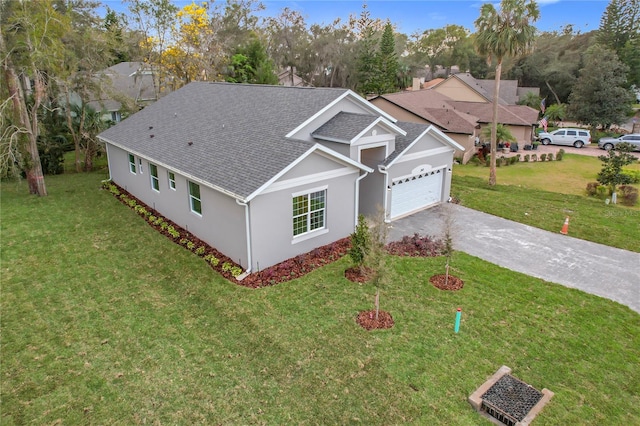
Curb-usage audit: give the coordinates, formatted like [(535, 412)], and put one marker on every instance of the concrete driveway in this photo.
[(594, 268)]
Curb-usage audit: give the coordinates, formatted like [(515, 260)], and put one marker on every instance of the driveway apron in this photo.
[(594, 268)]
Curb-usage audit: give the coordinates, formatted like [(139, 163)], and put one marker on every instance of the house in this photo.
[(264, 173), (464, 87), (460, 110), (430, 107), (288, 77), (124, 83)]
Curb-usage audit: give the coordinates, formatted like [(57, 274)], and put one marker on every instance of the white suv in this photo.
[(572, 137)]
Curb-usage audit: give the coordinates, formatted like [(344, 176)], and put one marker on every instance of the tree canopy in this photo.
[(56, 51)]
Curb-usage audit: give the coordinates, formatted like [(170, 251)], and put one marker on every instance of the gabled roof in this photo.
[(434, 107), (229, 136), (345, 127), (131, 79), (414, 132), (509, 91)]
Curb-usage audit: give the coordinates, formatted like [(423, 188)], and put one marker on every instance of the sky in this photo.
[(419, 15)]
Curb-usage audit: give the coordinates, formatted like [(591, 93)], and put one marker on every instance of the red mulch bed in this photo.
[(367, 320), (355, 274), (301, 265), (284, 271), (440, 281)]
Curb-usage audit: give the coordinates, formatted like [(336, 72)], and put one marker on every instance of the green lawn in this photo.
[(104, 321), (543, 194), (569, 176)]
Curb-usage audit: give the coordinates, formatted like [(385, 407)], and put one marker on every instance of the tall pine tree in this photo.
[(387, 62)]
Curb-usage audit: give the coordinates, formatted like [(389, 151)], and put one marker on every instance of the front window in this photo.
[(194, 198), (172, 180), (153, 172), (309, 212), (140, 164), (132, 164)]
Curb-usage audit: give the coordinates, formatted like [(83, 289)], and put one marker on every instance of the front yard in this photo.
[(106, 321)]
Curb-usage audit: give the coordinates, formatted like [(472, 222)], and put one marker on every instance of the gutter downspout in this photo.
[(357, 202), (248, 232), (382, 169)]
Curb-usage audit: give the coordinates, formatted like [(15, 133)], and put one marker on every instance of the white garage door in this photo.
[(416, 192)]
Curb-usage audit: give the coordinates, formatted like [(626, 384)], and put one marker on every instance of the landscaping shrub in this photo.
[(629, 195), (592, 189), (634, 175), (560, 154), (543, 157), (527, 157), (360, 241), (550, 156), (534, 157)]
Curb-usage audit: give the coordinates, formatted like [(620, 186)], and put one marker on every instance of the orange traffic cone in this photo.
[(565, 227)]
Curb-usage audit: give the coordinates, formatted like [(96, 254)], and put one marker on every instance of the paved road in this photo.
[(594, 268)]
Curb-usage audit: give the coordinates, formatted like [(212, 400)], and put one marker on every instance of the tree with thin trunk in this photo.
[(31, 51), (376, 268), (501, 33)]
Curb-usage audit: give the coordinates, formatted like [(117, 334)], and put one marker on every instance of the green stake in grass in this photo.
[(458, 317)]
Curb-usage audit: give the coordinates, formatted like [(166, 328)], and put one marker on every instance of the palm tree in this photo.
[(507, 32), (503, 134)]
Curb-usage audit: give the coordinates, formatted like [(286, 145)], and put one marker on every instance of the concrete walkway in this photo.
[(594, 268)]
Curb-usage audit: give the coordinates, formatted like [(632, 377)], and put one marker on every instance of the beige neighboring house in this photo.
[(430, 107), (475, 97), (464, 87), (520, 119)]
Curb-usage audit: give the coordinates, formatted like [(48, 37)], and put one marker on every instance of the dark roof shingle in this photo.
[(229, 135)]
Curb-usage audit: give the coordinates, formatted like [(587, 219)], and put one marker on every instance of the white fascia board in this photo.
[(356, 98), (385, 123), (172, 168), (330, 139), (317, 147), (437, 133)]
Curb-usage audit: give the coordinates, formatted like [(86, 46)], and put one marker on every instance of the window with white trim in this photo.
[(194, 198), (140, 164), (309, 212), (172, 180), (132, 164), (153, 172)]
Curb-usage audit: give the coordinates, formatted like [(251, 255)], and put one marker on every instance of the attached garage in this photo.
[(416, 192)]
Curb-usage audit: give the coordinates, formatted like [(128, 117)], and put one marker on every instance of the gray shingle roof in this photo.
[(344, 126), (402, 142), (229, 135)]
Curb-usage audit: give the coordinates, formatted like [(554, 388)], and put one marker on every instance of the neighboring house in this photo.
[(464, 87), (520, 119), (288, 77), (124, 83), (430, 107), (265, 173)]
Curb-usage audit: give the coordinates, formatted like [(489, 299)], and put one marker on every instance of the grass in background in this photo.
[(543, 194), (569, 176), (106, 321)]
